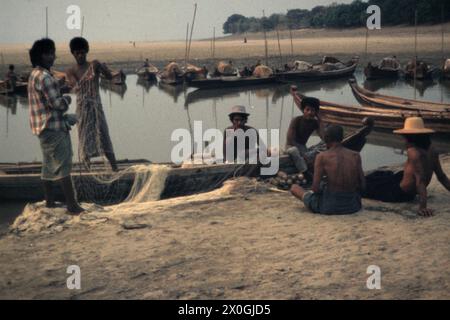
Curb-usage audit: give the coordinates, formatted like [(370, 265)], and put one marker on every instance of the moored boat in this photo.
[(384, 118), (373, 99), (388, 68), (329, 68)]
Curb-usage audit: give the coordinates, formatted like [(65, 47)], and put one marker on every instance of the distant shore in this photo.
[(308, 44)]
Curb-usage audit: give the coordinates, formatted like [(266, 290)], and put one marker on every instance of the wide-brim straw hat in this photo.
[(414, 125), (238, 110)]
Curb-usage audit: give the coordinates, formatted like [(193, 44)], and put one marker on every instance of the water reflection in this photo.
[(421, 85), (142, 116)]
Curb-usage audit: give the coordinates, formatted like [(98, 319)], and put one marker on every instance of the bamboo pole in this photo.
[(186, 49), (214, 43), (192, 29), (82, 26), (266, 51), (279, 46), (46, 22), (367, 43), (292, 43), (415, 53)]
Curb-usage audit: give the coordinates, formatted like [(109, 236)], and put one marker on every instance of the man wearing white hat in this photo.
[(423, 160), (239, 117)]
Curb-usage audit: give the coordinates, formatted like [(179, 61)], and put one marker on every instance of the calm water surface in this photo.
[(141, 118)]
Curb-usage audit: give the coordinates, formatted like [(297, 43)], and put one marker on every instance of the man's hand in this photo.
[(425, 212), (68, 99)]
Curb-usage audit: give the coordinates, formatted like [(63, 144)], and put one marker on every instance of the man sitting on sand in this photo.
[(48, 122), (341, 193), (300, 129), (423, 160)]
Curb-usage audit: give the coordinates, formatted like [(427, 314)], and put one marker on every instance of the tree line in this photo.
[(393, 12)]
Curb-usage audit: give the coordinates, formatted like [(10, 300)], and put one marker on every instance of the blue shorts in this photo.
[(312, 201)]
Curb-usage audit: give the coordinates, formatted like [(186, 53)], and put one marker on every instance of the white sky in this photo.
[(23, 21)]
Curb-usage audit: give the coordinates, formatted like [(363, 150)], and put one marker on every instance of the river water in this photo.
[(141, 119)]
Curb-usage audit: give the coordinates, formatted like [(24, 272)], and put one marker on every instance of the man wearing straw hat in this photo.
[(423, 160)]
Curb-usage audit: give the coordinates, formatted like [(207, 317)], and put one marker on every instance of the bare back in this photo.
[(342, 168), (420, 165)]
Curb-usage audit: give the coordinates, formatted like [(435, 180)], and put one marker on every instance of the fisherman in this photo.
[(340, 193), (49, 122), (423, 160), (146, 64), (300, 129), (239, 118), (11, 77), (93, 133)]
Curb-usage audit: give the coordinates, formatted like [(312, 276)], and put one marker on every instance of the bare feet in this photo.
[(75, 210), (425, 212)]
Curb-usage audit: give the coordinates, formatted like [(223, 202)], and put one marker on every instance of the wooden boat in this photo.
[(446, 70), (228, 82), (369, 98), (220, 93), (424, 71), (382, 71), (318, 73), (384, 118), (5, 89), (148, 73), (118, 77), (21, 181)]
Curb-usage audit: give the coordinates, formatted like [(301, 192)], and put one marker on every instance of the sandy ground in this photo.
[(308, 44), (243, 241)]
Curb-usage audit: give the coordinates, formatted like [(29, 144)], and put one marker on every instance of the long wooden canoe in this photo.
[(228, 82), (366, 97), (384, 118), (21, 181), (314, 74)]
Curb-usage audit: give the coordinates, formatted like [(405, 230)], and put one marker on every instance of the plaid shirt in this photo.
[(46, 104)]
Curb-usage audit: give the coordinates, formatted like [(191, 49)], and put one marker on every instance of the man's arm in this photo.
[(362, 178), (318, 172), (51, 91), (440, 174), (421, 187), (290, 139), (102, 68), (320, 127)]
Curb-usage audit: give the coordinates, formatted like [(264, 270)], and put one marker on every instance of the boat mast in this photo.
[(279, 46), (82, 26), (46, 22), (265, 40), (192, 29), (186, 48), (415, 52), (292, 43)]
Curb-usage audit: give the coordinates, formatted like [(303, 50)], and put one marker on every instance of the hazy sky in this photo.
[(23, 21)]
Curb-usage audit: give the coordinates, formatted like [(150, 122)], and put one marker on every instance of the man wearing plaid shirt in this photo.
[(49, 122)]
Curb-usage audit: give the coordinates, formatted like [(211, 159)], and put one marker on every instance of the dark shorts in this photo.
[(385, 186), (56, 154), (332, 203)]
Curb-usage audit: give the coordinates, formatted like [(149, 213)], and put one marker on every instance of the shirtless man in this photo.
[(301, 129), (84, 76), (418, 170), (341, 193)]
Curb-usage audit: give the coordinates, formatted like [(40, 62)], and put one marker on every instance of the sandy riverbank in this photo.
[(309, 44), (242, 241)]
